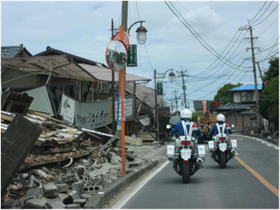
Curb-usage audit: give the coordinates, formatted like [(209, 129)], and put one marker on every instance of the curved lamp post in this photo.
[(141, 32)]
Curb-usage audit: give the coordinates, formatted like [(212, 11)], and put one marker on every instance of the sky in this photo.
[(203, 38)]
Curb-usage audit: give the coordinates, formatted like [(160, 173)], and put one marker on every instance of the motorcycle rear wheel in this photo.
[(223, 161), (186, 176)]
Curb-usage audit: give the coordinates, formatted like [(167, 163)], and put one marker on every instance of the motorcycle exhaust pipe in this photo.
[(233, 151), (199, 160)]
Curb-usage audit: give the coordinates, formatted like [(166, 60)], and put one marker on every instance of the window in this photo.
[(246, 96)]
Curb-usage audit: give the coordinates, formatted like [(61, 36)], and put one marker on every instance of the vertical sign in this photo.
[(132, 56), (119, 125), (204, 105)]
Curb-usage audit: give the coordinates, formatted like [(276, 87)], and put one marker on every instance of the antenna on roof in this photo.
[(48, 48)]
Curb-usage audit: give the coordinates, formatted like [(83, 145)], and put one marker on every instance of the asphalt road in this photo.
[(212, 187)]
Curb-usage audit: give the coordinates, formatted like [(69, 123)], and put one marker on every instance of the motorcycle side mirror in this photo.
[(232, 125), (168, 126)]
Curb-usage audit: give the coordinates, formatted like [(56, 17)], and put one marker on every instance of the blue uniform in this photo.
[(179, 128), (214, 130)]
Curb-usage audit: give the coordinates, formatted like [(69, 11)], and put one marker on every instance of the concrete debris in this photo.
[(73, 206), (51, 191), (35, 204), (55, 204), (43, 181), (62, 188)]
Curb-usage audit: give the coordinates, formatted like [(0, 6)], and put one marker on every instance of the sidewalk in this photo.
[(152, 153)]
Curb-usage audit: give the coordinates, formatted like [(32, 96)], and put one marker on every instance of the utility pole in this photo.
[(181, 74), (156, 109), (113, 90), (254, 71), (260, 71), (176, 102)]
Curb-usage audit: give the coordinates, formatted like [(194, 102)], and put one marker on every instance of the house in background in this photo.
[(241, 111), (12, 77)]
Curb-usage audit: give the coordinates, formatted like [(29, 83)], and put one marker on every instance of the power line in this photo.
[(198, 37), (251, 23), (269, 25), (267, 16)]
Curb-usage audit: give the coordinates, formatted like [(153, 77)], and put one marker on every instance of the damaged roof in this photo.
[(144, 93), (51, 51), (13, 51), (246, 87)]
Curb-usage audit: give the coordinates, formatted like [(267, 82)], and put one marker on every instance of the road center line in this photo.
[(259, 177), (126, 198)]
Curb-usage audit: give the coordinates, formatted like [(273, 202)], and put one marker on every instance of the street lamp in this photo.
[(141, 32), (171, 78)]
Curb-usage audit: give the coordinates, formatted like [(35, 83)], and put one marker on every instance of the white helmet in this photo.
[(221, 117), (186, 113)]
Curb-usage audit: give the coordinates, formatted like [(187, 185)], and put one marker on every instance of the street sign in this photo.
[(132, 56), (159, 88)]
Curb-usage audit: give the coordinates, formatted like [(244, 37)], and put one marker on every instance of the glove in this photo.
[(173, 137)]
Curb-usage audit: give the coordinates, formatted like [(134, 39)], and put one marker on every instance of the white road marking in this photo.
[(135, 189), (262, 141)]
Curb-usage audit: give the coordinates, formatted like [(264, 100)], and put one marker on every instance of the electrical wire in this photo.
[(198, 37), (251, 23), (269, 25), (266, 17)]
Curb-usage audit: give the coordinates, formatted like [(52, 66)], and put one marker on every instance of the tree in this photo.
[(269, 102), (273, 70), (221, 94)]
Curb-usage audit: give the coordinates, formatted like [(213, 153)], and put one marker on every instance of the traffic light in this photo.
[(159, 88)]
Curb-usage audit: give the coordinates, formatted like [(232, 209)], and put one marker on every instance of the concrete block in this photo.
[(35, 192), (51, 191), (73, 206), (68, 178), (74, 195), (55, 204), (62, 188), (65, 198), (35, 204), (81, 202), (85, 196), (78, 187)]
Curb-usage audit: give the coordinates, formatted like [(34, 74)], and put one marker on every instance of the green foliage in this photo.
[(221, 94), (273, 70), (196, 115), (269, 103)]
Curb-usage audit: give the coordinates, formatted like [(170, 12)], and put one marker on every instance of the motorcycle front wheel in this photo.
[(223, 161), (186, 176)]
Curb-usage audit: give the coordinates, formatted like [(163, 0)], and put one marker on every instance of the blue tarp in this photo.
[(247, 87)]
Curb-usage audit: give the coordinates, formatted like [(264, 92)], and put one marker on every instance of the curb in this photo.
[(272, 141), (97, 201)]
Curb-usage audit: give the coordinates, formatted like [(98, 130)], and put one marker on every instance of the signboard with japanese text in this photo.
[(204, 105), (67, 108), (93, 114), (132, 56)]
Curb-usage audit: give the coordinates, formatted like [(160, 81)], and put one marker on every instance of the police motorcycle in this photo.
[(187, 154), (222, 147)]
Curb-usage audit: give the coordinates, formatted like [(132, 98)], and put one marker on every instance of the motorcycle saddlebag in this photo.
[(211, 145), (201, 151), (234, 144), (170, 151)]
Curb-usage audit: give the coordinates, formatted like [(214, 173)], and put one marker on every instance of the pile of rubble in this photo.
[(66, 166)]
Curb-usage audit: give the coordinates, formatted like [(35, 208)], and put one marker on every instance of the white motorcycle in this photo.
[(187, 156), (222, 148)]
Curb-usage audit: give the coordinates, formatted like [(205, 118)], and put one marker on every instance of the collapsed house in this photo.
[(52, 156)]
